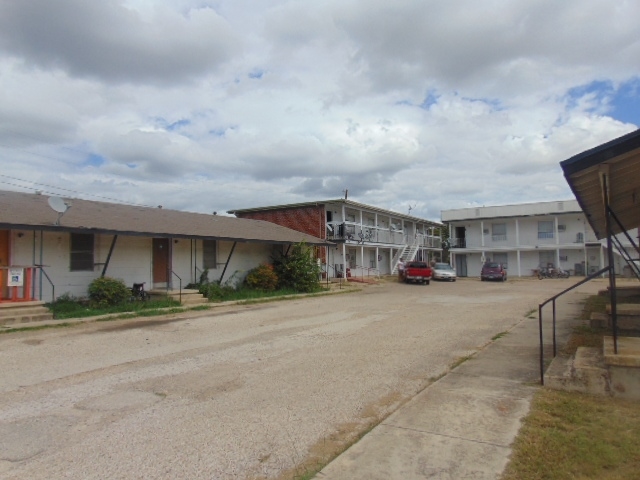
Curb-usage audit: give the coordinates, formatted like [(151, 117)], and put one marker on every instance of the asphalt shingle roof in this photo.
[(32, 212)]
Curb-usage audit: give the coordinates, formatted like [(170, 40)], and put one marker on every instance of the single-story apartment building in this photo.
[(60, 245)]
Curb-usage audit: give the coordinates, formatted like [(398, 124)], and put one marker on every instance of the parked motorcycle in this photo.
[(550, 272)]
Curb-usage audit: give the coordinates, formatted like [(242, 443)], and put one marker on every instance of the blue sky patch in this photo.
[(94, 160), (256, 74), (626, 102), (621, 103), (430, 100), (179, 124)]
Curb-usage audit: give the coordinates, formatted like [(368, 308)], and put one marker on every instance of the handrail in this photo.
[(53, 287), (553, 299), (179, 291), (368, 269), (334, 274)]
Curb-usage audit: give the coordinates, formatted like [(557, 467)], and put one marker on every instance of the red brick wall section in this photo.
[(310, 220)]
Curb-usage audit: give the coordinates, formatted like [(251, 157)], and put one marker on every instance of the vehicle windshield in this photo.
[(443, 266), (492, 265)]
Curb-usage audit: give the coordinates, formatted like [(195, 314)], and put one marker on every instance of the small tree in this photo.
[(298, 269)]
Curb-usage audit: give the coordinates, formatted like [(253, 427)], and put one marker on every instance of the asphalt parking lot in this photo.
[(239, 392)]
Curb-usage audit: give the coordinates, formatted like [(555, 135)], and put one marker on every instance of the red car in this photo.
[(418, 272), (493, 271)]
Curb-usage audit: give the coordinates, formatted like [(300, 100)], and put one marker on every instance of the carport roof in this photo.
[(621, 158), (32, 212)]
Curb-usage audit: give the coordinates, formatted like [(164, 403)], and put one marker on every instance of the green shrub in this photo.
[(262, 278), (298, 270), (106, 291), (215, 292)]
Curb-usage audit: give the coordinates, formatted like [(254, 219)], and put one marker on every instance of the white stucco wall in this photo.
[(130, 261)]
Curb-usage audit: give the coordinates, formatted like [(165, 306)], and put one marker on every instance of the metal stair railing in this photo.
[(400, 253), (633, 263), (553, 301)]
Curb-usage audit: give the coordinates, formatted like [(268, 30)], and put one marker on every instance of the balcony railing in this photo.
[(355, 233), (526, 239)]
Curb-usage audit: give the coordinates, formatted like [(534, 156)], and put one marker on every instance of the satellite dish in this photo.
[(58, 205)]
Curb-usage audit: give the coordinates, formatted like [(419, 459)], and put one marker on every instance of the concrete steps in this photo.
[(628, 317), (23, 312), (599, 371), (187, 297), (584, 372)]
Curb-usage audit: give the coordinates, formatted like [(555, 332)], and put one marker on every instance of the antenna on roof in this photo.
[(411, 208), (346, 193), (57, 204)]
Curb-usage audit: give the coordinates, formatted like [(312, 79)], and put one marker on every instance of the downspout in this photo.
[(41, 255), (227, 262), (106, 263), (518, 247), (33, 262)]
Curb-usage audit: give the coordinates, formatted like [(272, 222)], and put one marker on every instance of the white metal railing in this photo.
[(362, 272)]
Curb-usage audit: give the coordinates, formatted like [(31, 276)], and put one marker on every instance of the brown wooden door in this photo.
[(160, 261), (4, 262)]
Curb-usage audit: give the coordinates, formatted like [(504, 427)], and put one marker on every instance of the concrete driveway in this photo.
[(258, 392)]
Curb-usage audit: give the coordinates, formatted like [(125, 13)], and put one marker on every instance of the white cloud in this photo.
[(231, 104)]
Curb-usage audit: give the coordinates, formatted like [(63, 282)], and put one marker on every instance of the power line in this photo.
[(65, 190)]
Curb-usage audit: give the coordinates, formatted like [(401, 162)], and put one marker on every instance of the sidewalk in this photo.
[(462, 426)]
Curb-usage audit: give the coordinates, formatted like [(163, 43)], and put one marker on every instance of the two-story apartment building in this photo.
[(524, 237), (367, 239)]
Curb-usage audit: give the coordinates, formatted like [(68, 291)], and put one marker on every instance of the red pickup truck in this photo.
[(417, 272)]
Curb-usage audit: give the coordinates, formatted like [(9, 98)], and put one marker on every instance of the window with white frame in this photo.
[(209, 254), (545, 229), (498, 232), (81, 252)]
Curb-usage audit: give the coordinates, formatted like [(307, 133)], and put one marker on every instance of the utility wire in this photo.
[(65, 190)]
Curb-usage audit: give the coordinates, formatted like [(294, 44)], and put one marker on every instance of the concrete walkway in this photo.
[(463, 425)]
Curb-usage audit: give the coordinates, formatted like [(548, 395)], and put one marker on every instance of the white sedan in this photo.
[(444, 271)]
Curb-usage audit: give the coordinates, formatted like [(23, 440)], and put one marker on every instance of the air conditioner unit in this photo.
[(562, 228), (485, 231)]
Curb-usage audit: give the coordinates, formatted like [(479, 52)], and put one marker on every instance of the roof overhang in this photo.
[(618, 164)]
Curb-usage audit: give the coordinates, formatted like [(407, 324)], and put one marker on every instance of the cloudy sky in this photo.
[(212, 105)]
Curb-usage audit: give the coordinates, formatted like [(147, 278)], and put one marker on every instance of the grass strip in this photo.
[(574, 435)]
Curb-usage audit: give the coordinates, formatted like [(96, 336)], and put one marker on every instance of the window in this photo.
[(209, 254), (81, 253), (498, 232), (545, 230)]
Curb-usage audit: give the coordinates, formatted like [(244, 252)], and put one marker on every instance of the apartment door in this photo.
[(461, 265), (461, 241), (4, 260), (161, 264)]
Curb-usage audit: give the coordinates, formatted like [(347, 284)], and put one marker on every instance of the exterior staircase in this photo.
[(408, 253), (599, 371), (23, 312), (602, 371), (187, 297)]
